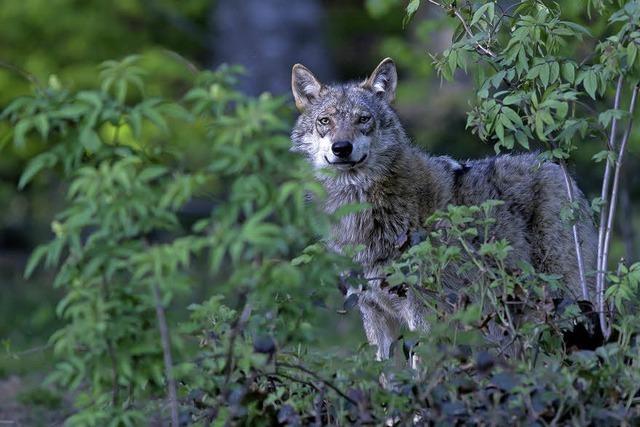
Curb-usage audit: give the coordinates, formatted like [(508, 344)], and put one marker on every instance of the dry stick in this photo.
[(166, 351), (606, 328), (601, 264), (576, 237)]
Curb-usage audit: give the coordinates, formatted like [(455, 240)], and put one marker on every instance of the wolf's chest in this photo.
[(376, 230)]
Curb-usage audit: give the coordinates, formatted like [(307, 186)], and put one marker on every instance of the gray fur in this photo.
[(404, 186)]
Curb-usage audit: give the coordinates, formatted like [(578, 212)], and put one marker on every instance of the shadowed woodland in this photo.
[(162, 252)]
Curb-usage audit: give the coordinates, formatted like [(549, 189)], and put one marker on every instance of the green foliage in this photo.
[(123, 232), (128, 250), (40, 396), (528, 90)]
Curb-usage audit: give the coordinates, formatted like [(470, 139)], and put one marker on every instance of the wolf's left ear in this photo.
[(384, 80), (304, 85)]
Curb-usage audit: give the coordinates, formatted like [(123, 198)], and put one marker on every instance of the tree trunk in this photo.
[(268, 37)]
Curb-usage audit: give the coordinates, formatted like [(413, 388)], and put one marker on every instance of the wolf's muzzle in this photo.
[(342, 149), (346, 162)]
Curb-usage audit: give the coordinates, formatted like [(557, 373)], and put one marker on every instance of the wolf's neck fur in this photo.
[(407, 188)]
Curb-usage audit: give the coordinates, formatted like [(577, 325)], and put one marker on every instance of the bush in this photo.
[(141, 231)]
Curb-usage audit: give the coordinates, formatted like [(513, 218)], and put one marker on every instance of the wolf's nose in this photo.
[(342, 149)]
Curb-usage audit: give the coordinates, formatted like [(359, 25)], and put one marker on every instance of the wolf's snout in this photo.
[(342, 149)]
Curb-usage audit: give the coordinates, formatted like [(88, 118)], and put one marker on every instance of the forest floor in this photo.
[(24, 401)]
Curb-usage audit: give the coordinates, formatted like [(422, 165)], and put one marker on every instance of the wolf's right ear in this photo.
[(304, 85)]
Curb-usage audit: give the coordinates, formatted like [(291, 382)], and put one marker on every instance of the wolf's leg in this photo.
[(414, 314), (380, 325)]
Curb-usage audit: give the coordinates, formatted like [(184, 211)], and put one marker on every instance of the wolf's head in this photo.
[(347, 127)]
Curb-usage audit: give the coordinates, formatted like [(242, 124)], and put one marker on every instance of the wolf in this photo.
[(353, 130)]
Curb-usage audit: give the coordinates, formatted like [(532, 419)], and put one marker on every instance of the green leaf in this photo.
[(34, 259), (499, 130), (555, 72), (596, 204), (544, 74), (71, 111), (412, 7), (569, 72), (152, 172), (38, 163), (20, 131), (511, 99), (522, 139), (452, 61), (539, 126), (591, 84), (632, 53), (512, 116), (396, 279), (90, 139), (487, 7), (41, 123), (302, 259)]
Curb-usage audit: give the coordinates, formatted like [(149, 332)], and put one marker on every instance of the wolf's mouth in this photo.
[(346, 162)]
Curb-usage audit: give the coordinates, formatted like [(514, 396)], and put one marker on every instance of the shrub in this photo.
[(132, 244)]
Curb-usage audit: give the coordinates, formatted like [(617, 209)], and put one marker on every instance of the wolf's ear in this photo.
[(304, 85), (384, 80)]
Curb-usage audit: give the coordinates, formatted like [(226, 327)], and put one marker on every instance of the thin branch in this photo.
[(166, 351), (294, 379), (27, 75), (601, 264), (576, 236), (235, 331), (190, 65), (482, 49), (28, 351), (115, 386), (319, 378), (606, 328), (507, 345)]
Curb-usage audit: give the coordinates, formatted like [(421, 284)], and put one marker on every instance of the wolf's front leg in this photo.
[(380, 325)]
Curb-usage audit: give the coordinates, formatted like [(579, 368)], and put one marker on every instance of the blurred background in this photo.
[(65, 40)]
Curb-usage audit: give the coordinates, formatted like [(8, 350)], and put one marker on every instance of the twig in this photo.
[(166, 351), (601, 263), (556, 418), (507, 345), (467, 30), (606, 328), (235, 331), (576, 237), (319, 378), (294, 379), (190, 65), (21, 353), (115, 387), (27, 75)]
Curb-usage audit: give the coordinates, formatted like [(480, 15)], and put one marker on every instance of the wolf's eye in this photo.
[(364, 119), (324, 121)]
